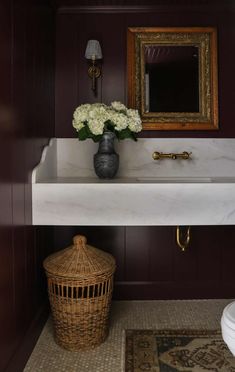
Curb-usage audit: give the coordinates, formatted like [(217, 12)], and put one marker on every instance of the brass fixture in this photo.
[(93, 53), (160, 155), (183, 245), (94, 72)]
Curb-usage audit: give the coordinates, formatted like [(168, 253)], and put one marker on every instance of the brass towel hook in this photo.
[(183, 245)]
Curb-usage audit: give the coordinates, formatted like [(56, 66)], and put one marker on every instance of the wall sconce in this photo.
[(93, 53)]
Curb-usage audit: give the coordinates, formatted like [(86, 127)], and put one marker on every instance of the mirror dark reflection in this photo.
[(171, 78)]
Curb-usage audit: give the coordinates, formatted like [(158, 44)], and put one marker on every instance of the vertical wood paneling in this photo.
[(150, 265), (207, 241), (18, 172), (26, 122), (66, 70), (6, 256), (161, 246), (227, 245), (114, 64), (6, 290), (110, 29), (30, 277), (137, 254)]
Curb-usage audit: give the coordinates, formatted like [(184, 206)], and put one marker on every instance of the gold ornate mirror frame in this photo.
[(203, 38)]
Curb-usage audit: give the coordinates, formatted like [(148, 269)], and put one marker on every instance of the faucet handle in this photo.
[(160, 155), (156, 155)]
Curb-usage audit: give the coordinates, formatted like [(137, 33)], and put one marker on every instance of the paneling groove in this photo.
[(150, 265), (26, 122)]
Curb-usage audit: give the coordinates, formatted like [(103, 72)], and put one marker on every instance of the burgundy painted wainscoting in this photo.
[(149, 264), (26, 123)]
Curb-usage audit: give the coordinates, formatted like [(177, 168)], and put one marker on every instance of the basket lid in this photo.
[(79, 261)]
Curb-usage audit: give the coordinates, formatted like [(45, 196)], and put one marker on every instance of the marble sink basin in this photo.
[(199, 191), (134, 202)]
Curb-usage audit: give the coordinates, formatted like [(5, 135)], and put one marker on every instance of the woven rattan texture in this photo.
[(80, 285), (80, 261)]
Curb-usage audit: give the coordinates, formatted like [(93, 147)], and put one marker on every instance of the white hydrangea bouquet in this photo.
[(92, 120)]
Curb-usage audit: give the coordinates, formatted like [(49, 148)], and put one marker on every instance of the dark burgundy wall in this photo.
[(26, 122), (149, 263), (109, 25)]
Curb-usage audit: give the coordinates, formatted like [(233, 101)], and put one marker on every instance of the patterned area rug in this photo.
[(173, 351)]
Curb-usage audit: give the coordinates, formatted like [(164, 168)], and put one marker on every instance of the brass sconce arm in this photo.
[(94, 72), (183, 245), (93, 53), (160, 155)]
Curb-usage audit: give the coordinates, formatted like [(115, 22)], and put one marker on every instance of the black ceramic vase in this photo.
[(106, 160)]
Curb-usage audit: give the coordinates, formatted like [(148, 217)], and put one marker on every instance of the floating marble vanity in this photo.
[(197, 191)]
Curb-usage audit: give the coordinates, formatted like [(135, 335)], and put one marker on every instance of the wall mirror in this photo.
[(172, 77)]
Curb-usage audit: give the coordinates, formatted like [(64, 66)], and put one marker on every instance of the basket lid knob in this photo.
[(79, 241)]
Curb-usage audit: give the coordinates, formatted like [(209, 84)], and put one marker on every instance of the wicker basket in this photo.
[(80, 284)]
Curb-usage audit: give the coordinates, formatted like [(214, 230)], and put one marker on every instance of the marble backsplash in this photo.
[(66, 191), (210, 158)]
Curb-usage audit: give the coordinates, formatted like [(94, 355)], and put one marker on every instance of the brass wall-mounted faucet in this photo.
[(160, 155)]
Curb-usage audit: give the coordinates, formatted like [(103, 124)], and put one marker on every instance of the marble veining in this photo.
[(199, 191), (210, 157)]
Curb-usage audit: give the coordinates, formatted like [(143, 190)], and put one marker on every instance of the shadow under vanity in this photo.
[(134, 216)]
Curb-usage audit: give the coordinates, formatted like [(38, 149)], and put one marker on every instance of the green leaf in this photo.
[(82, 134), (85, 133), (125, 133), (96, 138), (109, 126)]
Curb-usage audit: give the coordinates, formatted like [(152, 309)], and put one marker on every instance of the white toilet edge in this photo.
[(228, 320), (230, 345)]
